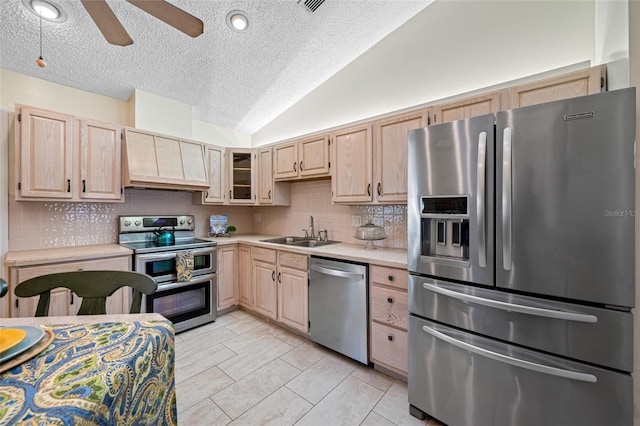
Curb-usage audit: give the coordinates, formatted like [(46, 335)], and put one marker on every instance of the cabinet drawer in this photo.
[(389, 306), (389, 276), (389, 346), (265, 255), (114, 263), (293, 260)]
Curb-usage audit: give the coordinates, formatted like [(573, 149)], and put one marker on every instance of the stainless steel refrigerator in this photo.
[(521, 260)]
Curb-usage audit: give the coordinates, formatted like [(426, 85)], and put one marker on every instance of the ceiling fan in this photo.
[(114, 32)]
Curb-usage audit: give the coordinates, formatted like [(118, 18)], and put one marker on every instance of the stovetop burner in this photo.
[(138, 233), (151, 246)]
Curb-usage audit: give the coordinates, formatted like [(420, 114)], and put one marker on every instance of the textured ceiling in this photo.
[(234, 80)]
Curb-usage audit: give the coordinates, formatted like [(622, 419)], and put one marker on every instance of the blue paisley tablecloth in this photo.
[(112, 373)]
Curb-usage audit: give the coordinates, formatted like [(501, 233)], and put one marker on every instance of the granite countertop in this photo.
[(64, 254), (391, 257)]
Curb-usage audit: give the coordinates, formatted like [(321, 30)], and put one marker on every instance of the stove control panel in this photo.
[(153, 223)]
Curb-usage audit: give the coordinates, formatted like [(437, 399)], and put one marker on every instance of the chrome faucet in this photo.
[(313, 232)]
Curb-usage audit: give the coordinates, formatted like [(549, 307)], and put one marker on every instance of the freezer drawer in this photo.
[(596, 335), (464, 379)]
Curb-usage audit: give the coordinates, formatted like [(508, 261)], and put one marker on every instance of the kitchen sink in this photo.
[(299, 241)]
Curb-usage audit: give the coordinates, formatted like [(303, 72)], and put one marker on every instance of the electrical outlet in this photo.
[(355, 220), (257, 217)]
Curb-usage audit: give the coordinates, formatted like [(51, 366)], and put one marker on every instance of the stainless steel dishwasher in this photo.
[(338, 315)]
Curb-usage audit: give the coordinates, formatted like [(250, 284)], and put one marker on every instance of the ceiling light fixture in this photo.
[(45, 9), (237, 20)]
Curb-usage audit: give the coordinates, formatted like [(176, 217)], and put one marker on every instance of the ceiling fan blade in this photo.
[(107, 22), (177, 18)]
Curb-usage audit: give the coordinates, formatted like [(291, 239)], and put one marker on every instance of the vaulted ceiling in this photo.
[(237, 80)]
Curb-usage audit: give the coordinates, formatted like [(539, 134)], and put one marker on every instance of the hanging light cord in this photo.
[(40, 34), (40, 61)]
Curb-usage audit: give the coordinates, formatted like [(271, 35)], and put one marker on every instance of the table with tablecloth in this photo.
[(96, 371)]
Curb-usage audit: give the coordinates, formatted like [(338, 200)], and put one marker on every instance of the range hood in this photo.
[(152, 160)]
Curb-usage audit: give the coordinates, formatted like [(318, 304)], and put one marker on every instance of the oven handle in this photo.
[(540, 368), (178, 284), (513, 307), (172, 254)]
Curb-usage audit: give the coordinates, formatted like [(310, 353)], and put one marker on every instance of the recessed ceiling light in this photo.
[(237, 20), (49, 10)]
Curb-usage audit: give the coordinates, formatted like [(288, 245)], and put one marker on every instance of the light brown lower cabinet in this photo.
[(279, 286), (227, 271), (293, 290), (388, 313), (245, 283), (64, 302), (263, 270)]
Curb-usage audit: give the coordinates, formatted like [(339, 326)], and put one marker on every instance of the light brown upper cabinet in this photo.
[(62, 157), (270, 192), (158, 161), (469, 107), (352, 160), (390, 155), (100, 161), (241, 168), (578, 83), (217, 192), (304, 159)]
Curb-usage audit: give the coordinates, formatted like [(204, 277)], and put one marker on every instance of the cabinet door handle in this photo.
[(390, 338), (279, 277), (391, 278), (72, 298), (269, 194), (379, 189), (301, 166), (206, 194), (294, 166), (369, 190), (390, 299), (68, 185), (84, 185), (273, 276), (230, 196)]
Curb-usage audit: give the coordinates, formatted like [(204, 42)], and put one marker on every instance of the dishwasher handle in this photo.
[(336, 272)]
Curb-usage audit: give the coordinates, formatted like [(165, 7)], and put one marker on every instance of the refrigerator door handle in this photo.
[(540, 368), (506, 199), (512, 307), (480, 200)]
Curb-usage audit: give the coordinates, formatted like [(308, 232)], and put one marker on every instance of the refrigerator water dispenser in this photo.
[(445, 227)]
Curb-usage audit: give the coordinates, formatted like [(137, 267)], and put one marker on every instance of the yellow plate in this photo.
[(9, 337)]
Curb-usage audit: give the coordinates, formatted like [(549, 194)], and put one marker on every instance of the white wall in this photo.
[(23, 89), (612, 41), (161, 115), (216, 135), (450, 47)]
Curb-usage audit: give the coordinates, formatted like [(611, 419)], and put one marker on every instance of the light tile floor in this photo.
[(243, 370)]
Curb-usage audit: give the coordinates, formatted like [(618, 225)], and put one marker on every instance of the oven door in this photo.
[(186, 304), (162, 266)]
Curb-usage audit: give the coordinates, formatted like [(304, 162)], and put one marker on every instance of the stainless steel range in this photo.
[(157, 242)]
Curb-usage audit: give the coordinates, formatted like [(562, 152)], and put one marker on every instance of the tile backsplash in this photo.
[(37, 224), (314, 199)]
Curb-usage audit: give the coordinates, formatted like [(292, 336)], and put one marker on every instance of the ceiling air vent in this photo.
[(311, 5)]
